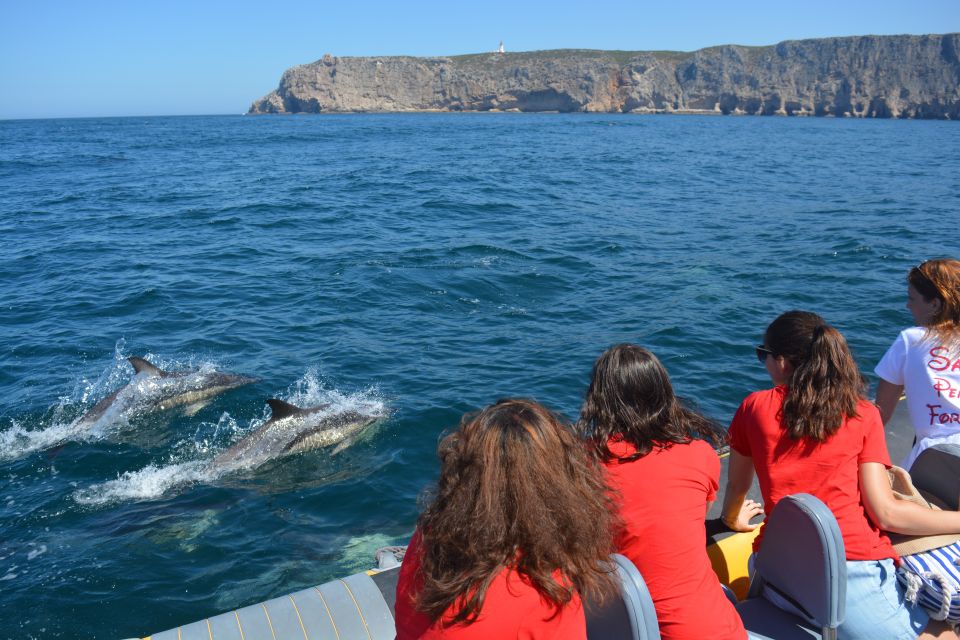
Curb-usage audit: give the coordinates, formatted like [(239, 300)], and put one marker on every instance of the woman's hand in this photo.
[(737, 509), (748, 510)]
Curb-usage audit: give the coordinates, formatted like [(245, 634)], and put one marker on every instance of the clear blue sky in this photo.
[(149, 57)]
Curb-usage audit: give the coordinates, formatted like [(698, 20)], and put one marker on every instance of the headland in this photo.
[(906, 76)]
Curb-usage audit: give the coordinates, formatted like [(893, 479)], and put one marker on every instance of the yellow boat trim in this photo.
[(730, 558), (299, 619), (269, 621), (329, 615), (209, 630), (357, 605), (239, 626)]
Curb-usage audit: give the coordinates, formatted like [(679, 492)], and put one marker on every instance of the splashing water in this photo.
[(149, 483), (153, 482), (311, 390), (70, 418)]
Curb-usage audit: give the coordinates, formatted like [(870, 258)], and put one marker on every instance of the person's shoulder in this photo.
[(701, 448), (867, 417), (913, 335), (765, 396), (867, 410), (620, 448)]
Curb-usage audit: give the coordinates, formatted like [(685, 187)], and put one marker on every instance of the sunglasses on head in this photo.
[(763, 352)]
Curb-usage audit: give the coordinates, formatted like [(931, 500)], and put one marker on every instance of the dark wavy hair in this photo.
[(517, 489), (630, 398), (825, 384), (940, 280)]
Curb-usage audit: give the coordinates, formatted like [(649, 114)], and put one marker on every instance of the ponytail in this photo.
[(825, 385)]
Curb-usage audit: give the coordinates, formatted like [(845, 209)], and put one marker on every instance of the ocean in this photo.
[(423, 265)]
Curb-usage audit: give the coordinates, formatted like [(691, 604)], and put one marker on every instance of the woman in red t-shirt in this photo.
[(518, 527), (660, 459), (815, 432)]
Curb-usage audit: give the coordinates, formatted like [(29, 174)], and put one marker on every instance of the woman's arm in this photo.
[(900, 516), (737, 510), (888, 395)]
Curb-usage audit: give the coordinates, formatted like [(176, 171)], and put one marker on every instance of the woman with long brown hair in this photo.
[(924, 360), (659, 458), (518, 528), (814, 432)]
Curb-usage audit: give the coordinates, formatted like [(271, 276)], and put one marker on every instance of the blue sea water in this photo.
[(422, 264)]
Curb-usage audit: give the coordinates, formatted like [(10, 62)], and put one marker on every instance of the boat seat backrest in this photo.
[(629, 617), (937, 471), (352, 607), (801, 567)]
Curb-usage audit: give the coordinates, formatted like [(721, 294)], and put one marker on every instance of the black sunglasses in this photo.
[(763, 352)]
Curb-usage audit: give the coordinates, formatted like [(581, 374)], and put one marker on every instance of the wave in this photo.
[(17, 441)]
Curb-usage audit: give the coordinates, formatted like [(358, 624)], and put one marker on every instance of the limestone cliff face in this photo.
[(868, 76)]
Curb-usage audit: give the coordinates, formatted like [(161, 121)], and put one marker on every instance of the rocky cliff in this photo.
[(864, 76)]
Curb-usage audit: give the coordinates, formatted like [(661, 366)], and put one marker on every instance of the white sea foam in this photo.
[(17, 441), (39, 551), (311, 391), (149, 483)]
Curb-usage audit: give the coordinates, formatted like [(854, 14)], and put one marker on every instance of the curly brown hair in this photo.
[(940, 280), (630, 398), (825, 384), (517, 489)]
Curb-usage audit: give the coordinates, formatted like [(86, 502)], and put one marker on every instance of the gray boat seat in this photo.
[(936, 471), (630, 617), (352, 607), (801, 567)]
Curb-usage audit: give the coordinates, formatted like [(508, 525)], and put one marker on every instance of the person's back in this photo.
[(512, 608), (520, 524), (665, 479), (664, 499), (828, 470), (815, 433)]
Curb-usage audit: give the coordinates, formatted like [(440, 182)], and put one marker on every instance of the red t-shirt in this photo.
[(665, 495), (512, 608), (828, 470)]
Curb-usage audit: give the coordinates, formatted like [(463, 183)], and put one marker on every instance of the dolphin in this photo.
[(154, 389), (291, 430)]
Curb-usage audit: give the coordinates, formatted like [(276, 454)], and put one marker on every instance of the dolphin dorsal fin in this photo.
[(282, 409), (141, 365)]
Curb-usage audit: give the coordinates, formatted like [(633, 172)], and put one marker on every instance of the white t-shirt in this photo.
[(930, 375)]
